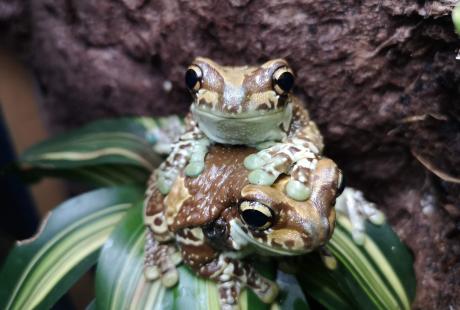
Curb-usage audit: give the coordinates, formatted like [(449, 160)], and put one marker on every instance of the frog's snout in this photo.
[(233, 98)]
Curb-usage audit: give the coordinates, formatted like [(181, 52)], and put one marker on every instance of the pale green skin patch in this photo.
[(196, 163), (243, 129), (297, 191)]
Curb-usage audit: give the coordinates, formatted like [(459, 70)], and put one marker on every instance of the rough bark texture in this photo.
[(379, 76)]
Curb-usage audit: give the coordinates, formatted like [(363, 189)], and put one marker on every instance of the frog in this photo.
[(213, 222), (252, 106)]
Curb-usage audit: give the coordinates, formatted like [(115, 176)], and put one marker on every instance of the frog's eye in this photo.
[(193, 77), (256, 215), (341, 185), (283, 80)]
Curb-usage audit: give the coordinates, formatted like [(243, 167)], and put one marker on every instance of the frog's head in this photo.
[(254, 217), (241, 105), (273, 223)]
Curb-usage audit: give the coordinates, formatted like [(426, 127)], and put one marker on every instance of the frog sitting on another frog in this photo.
[(212, 221), (252, 106)]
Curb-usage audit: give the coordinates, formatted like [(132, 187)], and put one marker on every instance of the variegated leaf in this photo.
[(38, 271)]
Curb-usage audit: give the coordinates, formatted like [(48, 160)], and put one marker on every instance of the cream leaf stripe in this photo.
[(381, 264), (96, 154)]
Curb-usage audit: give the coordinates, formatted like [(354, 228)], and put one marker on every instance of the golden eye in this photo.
[(193, 77), (283, 80), (256, 215)]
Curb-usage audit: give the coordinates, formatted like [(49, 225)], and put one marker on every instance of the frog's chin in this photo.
[(247, 129), (248, 244)]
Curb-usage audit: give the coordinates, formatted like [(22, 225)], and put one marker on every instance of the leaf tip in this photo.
[(37, 234)]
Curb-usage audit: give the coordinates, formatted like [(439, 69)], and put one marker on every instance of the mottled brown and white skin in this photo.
[(214, 220), (252, 106)]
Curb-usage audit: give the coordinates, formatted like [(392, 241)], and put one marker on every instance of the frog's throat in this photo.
[(246, 129), (245, 242)]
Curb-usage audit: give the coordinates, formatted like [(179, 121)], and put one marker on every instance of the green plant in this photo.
[(456, 17), (104, 227)]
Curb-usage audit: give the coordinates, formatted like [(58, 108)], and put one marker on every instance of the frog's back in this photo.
[(196, 201)]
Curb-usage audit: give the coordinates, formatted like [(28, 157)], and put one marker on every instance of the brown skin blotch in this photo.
[(289, 243), (155, 204)]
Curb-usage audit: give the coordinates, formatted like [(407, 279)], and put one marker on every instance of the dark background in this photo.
[(379, 77)]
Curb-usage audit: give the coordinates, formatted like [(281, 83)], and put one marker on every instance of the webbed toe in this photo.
[(170, 278), (151, 273), (297, 190), (194, 168), (254, 161), (261, 177), (268, 295)]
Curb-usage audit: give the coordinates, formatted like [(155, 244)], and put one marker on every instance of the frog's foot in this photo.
[(328, 259), (297, 157), (160, 261), (189, 154), (232, 275), (357, 209), (265, 289), (196, 163), (229, 293), (168, 171)]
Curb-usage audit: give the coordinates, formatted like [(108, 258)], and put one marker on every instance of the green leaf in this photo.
[(38, 271), (98, 175), (324, 286), (456, 18), (377, 275), (120, 282), (133, 143), (91, 305)]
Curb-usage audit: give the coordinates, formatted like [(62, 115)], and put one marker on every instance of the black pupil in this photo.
[(191, 78), (341, 187), (255, 218), (285, 81)]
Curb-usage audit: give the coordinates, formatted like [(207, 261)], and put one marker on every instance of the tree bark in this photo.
[(379, 77)]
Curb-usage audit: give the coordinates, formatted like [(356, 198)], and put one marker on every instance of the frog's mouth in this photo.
[(245, 241), (247, 128), (245, 115)]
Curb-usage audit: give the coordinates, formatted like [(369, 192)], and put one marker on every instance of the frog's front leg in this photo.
[(357, 209), (232, 275), (189, 152), (296, 156)]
